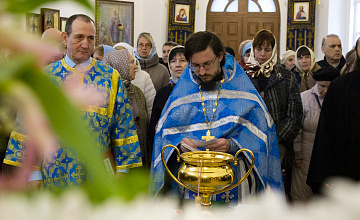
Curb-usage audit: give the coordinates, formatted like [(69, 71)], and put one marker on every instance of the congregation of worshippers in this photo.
[(299, 116)]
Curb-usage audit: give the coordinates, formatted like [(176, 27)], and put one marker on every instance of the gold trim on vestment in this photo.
[(125, 141), (133, 165), (17, 164), (96, 109), (113, 92), (18, 136)]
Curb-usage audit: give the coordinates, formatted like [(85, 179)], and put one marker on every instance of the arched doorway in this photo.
[(237, 20)]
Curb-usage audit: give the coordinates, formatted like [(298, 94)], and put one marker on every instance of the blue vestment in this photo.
[(241, 115), (111, 123)]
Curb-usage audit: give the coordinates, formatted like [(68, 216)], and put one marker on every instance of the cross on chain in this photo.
[(208, 137)]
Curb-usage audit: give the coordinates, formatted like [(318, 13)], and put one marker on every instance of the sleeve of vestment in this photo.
[(289, 127), (15, 151), (123, 132)]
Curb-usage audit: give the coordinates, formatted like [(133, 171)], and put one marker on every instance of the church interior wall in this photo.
[(151, 16)]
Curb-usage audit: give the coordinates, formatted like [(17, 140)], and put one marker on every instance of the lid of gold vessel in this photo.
[(206, 157)]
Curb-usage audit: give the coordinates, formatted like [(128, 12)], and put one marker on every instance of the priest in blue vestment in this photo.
[(111, 122), (214, 98)]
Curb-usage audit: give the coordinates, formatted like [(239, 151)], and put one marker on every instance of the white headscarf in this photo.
[(284, 56), (131, 51), (173, 77), (126, 46), (312, 56)]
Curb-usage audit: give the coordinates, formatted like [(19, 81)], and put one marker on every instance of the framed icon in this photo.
[(50, 18)]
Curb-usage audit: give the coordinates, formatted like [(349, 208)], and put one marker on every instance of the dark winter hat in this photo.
[(326, 73)]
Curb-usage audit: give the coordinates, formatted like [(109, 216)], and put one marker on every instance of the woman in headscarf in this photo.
[(101, 50), (288, 59), (177, 64), (241, 52), (145, 52), (312, 100), (305, 67), (278, 87), (142, 78), (124, 63)]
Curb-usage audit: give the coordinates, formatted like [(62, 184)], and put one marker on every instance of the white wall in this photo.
[(151, 16)]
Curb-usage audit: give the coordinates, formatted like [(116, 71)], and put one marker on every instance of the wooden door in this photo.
[(237, 20)]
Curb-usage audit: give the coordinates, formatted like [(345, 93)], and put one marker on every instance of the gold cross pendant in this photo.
[(207, 137)]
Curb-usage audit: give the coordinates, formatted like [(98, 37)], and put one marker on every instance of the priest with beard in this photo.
[(336, 150), (214, 99)]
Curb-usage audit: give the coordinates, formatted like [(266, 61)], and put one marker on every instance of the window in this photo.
[(220, 5), (354, 22), (261, 5)]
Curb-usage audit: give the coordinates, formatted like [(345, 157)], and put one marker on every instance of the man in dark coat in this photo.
[(336, 149), (331, 47)]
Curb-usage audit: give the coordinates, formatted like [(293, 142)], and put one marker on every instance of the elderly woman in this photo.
[(177, 64), (142, 78), (124, 63), (288, 59), (278, 87), (312, 100), (305, 66), (145, 52), (100, 51)]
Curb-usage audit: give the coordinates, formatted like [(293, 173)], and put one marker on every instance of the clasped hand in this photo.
[(222, 145)]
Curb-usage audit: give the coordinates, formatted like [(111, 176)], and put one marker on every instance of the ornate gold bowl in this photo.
[(208, 172)]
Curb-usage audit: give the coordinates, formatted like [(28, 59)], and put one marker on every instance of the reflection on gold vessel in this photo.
[(208, 172)]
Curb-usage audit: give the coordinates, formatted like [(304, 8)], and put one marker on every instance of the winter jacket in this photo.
[(144, 82), (158, 73)]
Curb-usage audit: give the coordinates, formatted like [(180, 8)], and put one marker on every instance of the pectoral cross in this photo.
[(207, 137)]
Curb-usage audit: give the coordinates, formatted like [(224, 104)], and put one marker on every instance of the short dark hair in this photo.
[(69, 22), (174, 51), (170, 43), (200, 41), (262, 37), (303, 51)]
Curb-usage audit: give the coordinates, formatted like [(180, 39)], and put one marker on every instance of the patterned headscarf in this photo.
[(312, 56), (255, 69), (119, 60)]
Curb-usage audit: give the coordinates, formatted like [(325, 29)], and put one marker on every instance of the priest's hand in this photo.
[(222, 145), (188, 142)]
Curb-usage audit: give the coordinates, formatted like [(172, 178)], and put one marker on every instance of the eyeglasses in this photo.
[(206, 66), (147, 46)]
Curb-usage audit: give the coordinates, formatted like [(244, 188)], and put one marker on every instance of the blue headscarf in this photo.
[(152, 51), (247, 47), (107, 48)]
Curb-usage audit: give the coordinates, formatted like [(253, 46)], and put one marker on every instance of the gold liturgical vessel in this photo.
[(207, 172)]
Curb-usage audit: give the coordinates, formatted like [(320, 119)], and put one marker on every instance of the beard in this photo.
[(212, 84)]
